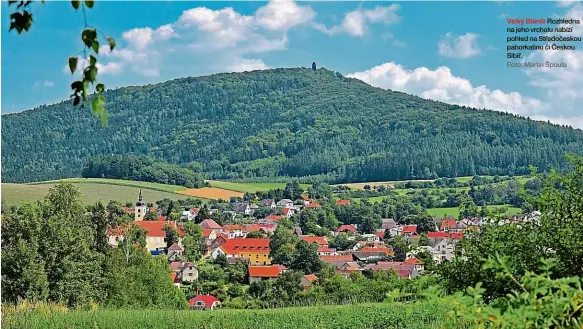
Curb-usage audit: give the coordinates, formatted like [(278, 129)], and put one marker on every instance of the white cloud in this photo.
[(242, 64), (441, 85), (223, 37), (356, 22), (280, 15), (463, 46), (140, 38), (48, 83)]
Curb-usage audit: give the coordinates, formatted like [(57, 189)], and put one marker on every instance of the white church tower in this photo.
[(141, 208)]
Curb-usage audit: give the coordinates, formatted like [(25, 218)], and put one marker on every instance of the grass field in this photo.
[(444, 212), (121, 182), (367, 316), (17, 194), (463, 179), (211, 193), (250, 187)]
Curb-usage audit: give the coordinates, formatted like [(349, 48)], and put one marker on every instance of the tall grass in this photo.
[(379, 315)]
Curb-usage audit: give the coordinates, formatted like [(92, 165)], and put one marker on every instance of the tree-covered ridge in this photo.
[(141, 168), (282, 122)]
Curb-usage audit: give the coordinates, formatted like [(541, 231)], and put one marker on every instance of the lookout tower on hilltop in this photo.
[(313, 66), (141, 208)]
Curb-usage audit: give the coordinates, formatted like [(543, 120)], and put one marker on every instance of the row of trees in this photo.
[(141, 168), (58, 251)]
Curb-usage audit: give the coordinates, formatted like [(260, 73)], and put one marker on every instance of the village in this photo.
[(238, 243)]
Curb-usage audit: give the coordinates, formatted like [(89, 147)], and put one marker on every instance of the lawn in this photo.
[(444, 212), (377, 316), (17, 194), (250, 187), (121, 182)]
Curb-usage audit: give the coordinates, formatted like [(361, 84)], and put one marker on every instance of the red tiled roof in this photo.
[(129, 210), (206, 233), (286, 210), (252, 227), (413, 260), (234, 246), (345, 227), (409, 229), (156, 228), (274, 218), (264, 271), (447, 223), (320, 240), (380, 234), (311, 277), (173, 276), (443, 235), (339, 258), (210, 224), (162, 218), (231, 228), (326, 249), (385, 250), (304, 197), (195, 209), (313, 205), (208, 300), (342, 202)]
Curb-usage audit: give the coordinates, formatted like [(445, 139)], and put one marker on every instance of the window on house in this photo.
[(139, 210)]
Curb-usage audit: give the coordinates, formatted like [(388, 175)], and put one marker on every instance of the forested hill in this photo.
[(293, 122)]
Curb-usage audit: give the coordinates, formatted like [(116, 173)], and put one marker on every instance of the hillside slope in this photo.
[(293, 122)]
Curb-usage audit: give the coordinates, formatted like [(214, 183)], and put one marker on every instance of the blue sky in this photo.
[(448, 51)]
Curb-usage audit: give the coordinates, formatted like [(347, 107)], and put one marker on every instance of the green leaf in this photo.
[(75, 3), (89, 3), (90, 74), (95, 46), (111, 43), (88, 36), (100, 87), (77, 86), (92, 60), (73, 64), (27, 20), (97, 105)]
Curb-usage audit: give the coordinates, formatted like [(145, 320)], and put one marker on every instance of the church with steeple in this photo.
[(141, 208)]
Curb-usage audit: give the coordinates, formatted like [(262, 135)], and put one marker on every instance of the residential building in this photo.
[(289, 212), (243, 208), (175, 252), (255, 250), (326, 251), (320, 240), (155, 234), (269, 203), (285, 203), (342, 202), (259, 273), (234, 231), (204, 302), (347, 229), (308, 280), (209, 224), (185, 271)]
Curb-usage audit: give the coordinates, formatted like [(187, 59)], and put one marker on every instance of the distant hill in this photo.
[(282, 122)]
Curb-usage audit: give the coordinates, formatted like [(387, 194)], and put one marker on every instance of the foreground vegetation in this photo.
[(366, 316)]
